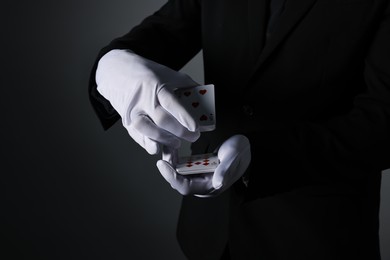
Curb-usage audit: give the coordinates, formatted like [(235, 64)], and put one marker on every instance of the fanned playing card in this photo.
[(195, 164), (200, 103)]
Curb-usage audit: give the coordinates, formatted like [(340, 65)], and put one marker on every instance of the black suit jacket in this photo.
[(314, 101)]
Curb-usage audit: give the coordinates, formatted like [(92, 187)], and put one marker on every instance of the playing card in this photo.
[(200, 103), (200, 163)]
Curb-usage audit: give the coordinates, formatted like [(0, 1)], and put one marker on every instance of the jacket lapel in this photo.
[(294, 12)]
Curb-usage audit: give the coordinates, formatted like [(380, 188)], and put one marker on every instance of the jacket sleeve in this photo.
[(171, 36), (348, 148)]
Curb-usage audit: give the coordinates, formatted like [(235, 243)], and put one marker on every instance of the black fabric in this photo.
[(226, 253), (314, 102), (276, 8)]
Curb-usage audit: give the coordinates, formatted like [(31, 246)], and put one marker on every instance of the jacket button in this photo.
[(248, 110)]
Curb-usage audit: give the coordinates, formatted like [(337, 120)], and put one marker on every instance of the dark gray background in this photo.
[(74, 191)]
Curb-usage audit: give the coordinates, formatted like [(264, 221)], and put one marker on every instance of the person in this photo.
[(302, 94)]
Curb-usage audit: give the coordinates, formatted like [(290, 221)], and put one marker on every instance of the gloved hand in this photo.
[(141, 91), (234, 156)]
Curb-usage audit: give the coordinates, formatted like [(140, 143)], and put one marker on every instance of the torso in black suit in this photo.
[(314, 100)]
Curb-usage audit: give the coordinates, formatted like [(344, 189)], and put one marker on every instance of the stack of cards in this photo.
[(200, 102), (195, 164)]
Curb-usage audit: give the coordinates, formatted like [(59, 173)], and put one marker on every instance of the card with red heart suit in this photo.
[(196, 164), (200, 103)]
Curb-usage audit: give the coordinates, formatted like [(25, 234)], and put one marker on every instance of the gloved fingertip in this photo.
[(217, 184), (191, 126), (193, 136), (152, 148), (153, 152), (162, 167), (159, 164)]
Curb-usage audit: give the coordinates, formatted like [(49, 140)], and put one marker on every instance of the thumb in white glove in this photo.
[(141, 91), (234, 156)]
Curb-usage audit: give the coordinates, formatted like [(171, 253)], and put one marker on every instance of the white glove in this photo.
[(141, 91), (234, 156)]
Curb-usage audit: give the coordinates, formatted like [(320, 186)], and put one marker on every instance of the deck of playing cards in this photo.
[(195, 164), (200, 103)]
